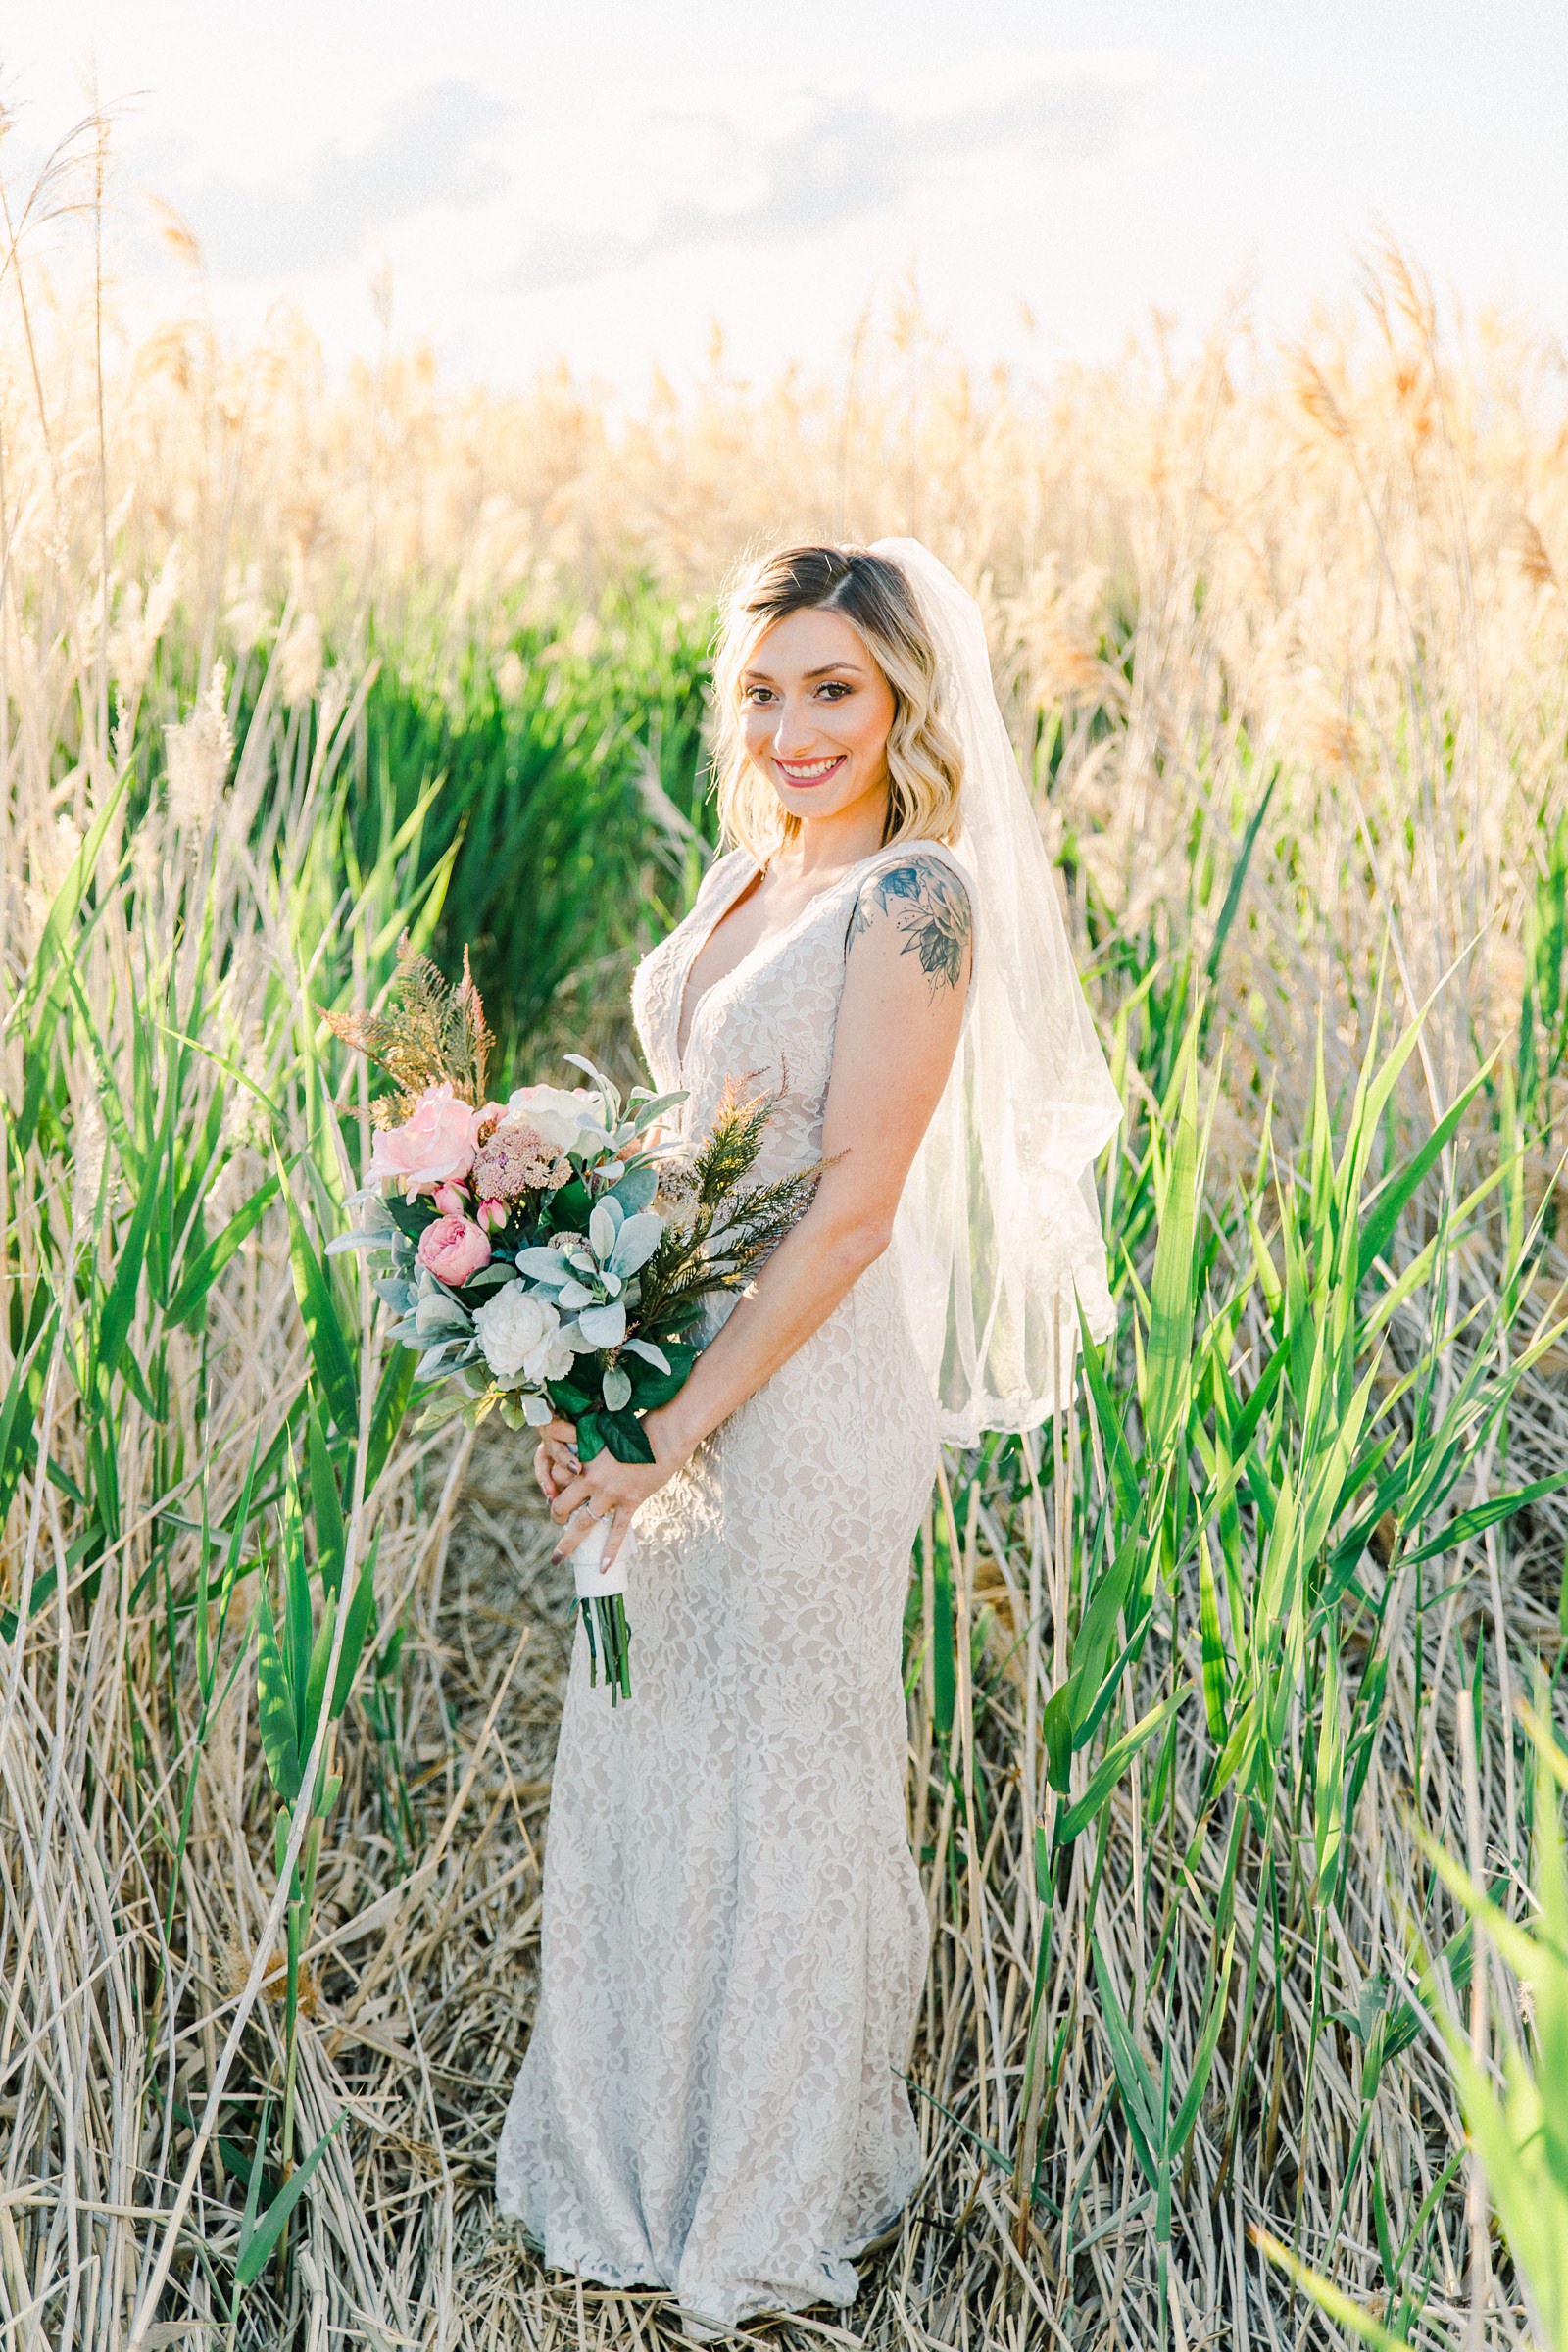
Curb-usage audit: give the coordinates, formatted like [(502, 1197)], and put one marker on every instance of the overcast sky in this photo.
[(603, 181)]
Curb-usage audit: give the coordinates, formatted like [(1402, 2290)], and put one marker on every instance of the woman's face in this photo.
[(816, 709)]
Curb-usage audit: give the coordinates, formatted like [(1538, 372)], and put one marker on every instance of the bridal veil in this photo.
[(997, 1234)]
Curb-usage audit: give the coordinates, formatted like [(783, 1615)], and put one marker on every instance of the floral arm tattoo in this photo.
[(931, 907)]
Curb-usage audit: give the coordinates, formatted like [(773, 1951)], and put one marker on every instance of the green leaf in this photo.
[(256, 2243), (1258, 1404), (274, 1706), (569, 1210), (204, 1267), (624, 1435), (1139, 2095), (253, 2176), (1389, 1201), (18, 1445), (569, 1399), (1171, 1302), (326, 1507), (1123, 1475), (1217, 1676), (650, 1387), (1340, 2307), (1237, 880), (411, 1217), (1055, 1729), (1329, 1784), (330, 1349), (943, 1651), (356, 1633), (68, 900), (1204, 2056), (1466, 1524), (389, 1410), (119, 1306), (1115, 1762), (310, 1713), (590, 1435), (678, 1316)]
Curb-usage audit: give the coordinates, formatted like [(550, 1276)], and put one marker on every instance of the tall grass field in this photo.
[(1238, 1755)]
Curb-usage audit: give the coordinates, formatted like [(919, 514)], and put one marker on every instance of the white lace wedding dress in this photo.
[(733, 1934)]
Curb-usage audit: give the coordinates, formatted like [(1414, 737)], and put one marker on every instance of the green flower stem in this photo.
[(610, 1640)]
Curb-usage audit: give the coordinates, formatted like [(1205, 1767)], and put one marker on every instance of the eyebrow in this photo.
[(827, 670)]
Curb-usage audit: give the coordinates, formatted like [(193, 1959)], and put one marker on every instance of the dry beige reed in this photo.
[(1334, 568)]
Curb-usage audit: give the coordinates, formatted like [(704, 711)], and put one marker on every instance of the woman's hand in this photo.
[(555, 1459), (604, 1489)]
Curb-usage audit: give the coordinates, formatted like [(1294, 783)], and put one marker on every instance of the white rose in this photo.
[(552, 1358), (568, 1118), (517, 1331)]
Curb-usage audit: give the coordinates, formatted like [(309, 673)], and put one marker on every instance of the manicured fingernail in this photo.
[(556, 1558)]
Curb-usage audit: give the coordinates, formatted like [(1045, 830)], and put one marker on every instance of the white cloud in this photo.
[(842, 160), (431, 148), (605, 181)]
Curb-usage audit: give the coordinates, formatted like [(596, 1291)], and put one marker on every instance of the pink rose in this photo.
[(492, 1215), (452, 1250), (451, 1199), (431, 1147)]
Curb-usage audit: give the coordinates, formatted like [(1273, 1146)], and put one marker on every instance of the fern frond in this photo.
[(430, 1033)]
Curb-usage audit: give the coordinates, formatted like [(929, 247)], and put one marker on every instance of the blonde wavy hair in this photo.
[(925, 765)]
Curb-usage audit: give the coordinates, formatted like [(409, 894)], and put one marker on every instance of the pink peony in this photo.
[(431, 1147), (450, 1200), (491, 1214), (452, 1250)]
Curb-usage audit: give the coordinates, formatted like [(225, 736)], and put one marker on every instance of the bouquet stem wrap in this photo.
[(600, 1598)]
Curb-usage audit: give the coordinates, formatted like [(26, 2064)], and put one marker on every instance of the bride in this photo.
[(734, 1936)]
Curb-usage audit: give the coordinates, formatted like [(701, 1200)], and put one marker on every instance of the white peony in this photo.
[(568, 1118), (520, 1336)]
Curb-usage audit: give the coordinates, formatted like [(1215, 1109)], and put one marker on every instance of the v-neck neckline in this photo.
[(769, 940)]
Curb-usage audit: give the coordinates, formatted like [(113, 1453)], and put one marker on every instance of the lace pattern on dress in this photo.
[(733, 1935)]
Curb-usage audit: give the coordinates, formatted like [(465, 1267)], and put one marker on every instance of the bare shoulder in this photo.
[(918, 905)]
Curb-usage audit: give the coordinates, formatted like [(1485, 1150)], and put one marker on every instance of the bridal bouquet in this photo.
[(548, 1255)]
